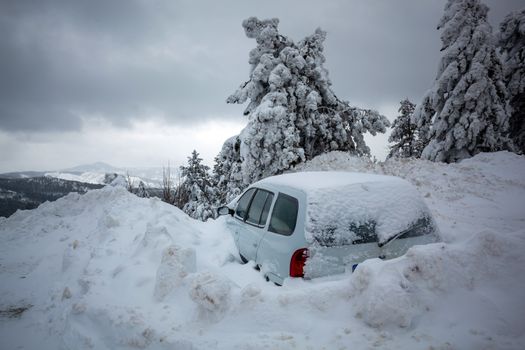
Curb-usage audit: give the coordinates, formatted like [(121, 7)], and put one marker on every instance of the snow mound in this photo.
[(397, 292), (211, 291), (94, 263), (109, 270), (175, 265), (337, 161)]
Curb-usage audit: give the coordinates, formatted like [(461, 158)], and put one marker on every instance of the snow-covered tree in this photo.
[(422, 118), (142, 191), (293, 113), (197, 182), (512, 43), (139, 191), (405, 134), (167, 186), (227, 172), (467, 104)]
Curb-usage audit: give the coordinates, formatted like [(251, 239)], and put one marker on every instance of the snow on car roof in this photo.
[(315, 180), (341, 204)]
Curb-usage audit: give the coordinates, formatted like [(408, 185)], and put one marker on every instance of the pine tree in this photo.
[(293, 113), (142, 190), (422, 118), (512, 43), (467, 104), (227, 171), (405, 134), (201, 193)]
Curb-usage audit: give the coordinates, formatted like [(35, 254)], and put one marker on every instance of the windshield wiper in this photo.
[(382, 244)]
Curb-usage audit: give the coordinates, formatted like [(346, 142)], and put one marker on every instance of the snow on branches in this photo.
[(293, 113), (405, 134), (467, 104), (512, 44), (198, 184)]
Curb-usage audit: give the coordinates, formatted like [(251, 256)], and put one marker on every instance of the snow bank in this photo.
[(486, 191), (109, 270), (98, 266), (398, 292), (338, 161), (211, 291), (175, 265)]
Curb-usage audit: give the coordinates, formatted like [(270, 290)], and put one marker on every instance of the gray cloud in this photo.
[(122, 61)]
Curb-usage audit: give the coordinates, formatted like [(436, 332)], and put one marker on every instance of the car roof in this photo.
[(315, 180)]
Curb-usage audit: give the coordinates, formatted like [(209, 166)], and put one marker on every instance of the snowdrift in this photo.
[(109, 270)]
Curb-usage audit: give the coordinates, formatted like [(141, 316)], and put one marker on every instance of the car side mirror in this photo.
[(224, 210)]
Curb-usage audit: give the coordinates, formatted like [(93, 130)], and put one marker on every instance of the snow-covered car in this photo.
[(313, 224)]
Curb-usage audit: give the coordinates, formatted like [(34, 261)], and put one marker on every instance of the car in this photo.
[(313, 224)]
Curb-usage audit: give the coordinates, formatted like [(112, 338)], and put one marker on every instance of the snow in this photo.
[(293, 114), (87, 177), (465, 111), (101, 178), (309, 181), (392, 206), (338, 200), (109, 270)]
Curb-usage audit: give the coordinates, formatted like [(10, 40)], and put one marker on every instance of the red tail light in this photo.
[(297, 262)]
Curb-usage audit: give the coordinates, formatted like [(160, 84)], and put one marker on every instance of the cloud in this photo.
[(66, 63), (144, 143)]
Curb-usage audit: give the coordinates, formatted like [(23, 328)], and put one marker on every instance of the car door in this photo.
[(251, 221), (236, 225), (285, 234)]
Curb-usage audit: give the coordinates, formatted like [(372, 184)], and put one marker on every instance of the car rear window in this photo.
[(284, 215), (355, 233), (332, 236), (259, 203), (375, 211), (423, 226)]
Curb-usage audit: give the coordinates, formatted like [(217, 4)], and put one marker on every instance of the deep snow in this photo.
[(100, 178), (109, 270)]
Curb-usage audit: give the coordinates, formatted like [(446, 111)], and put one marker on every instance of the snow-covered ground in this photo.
[(101, 178), (87, 177), (108, 270)]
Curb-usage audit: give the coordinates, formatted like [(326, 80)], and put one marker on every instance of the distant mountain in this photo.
[(86, 177), (28, 189), (97, 167), (22, 174), (30, 192), (96, 173)]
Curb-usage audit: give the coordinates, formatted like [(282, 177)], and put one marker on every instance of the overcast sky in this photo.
[(138, 83)]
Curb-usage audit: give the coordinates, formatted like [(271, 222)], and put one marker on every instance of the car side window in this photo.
[(259, 202), (284, 215), (244, 202), (266, 209)]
